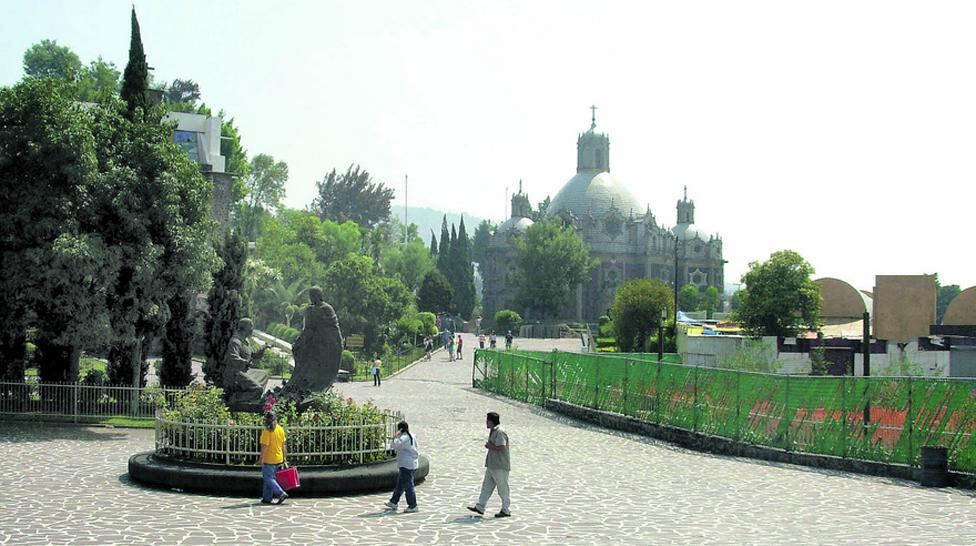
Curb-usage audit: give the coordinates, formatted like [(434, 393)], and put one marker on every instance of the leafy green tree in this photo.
[(552, 262), (688, 297), (435, 294), (710, 301), (226, 306), (479, 245), (265, 188), (135, 80), (176, 367), (99, 82), (943, 297), (364, 301), (353, 196), (735, 301), (780, 297), (408, 263), (636, 311), (507, 320), (47, 59)]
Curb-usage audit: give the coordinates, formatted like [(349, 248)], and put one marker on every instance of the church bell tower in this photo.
[(593, 150)]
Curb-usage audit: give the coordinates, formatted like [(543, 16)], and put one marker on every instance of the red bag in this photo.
[(287, 478)]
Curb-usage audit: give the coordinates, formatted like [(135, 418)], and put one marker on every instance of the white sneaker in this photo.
[(411, 510), (390, 506)]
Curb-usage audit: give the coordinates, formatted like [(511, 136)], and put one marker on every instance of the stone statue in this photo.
[(243, 385), (317, 350)]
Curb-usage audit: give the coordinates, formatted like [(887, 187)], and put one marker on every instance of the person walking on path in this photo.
[(508, 340), (375, 370), (450, 346), (498, 464), (460, 343), (407, 452), (481, 341), (493, 339), (428, 348), (272, 457)]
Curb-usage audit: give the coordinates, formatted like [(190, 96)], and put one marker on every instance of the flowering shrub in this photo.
[(331, 430)]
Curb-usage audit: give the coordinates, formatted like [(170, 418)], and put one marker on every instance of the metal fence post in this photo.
[(738, 405), (694, 400), (786, 413), (228, 433), (623, 408), (843, 422), (74, 401), (596, 389), (657, 393), (911, 424)]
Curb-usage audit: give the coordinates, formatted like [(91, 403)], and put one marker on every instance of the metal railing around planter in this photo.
[(239, 444), (82, 403), (886, 419)]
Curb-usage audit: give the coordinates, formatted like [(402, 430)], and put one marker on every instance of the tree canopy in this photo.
[(47, 59), (779, 297), (353, 196), (688, 298), (435, 294), (135, 79), (552, 262), (637, 311), (366, 303), (264, 188)]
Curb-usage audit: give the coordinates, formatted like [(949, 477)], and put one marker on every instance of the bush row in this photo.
[(284, 332)]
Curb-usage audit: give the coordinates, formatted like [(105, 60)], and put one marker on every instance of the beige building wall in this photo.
[(841, 300), (962, 309), (904, 306)]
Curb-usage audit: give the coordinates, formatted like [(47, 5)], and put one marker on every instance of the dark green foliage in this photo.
[(352, 196), (710, 301), (539, 214), (225, 306), (507, 320), (265, 187), (463, 273), (135, 80), (552, 262), (479, 245), (435, 294), (779, 298), (177, 344), (637, 312), (943, 297), (444, 250), (183, 91)]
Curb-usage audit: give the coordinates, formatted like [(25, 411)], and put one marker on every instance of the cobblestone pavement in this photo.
[(571, 484)]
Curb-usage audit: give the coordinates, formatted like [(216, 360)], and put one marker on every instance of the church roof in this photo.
[(593, 193), (518, 224)]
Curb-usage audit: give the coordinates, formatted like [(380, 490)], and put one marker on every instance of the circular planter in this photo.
[(316, 481)]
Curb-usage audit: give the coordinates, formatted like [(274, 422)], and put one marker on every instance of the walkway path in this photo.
[(571, 483)]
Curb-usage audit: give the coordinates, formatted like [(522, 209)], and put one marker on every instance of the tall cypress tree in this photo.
[(135, 80), (464, 293), (433, 244), (443, 252), (226, 306)]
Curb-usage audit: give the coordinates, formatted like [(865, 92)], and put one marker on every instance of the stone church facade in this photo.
[(628, 242)]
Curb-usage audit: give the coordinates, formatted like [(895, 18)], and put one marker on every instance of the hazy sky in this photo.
[(842, 130)]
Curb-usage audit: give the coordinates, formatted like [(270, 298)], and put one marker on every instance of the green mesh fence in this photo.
[(872, 418)]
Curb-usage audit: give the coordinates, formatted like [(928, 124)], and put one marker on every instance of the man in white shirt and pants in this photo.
[(498, 464)]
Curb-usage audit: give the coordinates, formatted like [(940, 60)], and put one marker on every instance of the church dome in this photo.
[(687, 232), (592, 193), (518, 224)]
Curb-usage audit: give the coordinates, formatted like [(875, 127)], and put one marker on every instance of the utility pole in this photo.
[(404, 210), (675, 287)]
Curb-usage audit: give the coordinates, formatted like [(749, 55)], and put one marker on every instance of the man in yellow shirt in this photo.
[(272, 457)]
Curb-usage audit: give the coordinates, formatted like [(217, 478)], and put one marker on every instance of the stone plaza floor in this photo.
[(572, 483)]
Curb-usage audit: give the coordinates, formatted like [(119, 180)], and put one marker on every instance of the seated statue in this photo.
[(317, 350), (243, 385)]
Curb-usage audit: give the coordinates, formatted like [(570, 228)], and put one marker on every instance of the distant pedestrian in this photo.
[(272, 458), (493, 339), (481, 341), (428, 348), (498, 464), (450, 346), (460, 344), (508, 340), (407, 453), (376, 369)]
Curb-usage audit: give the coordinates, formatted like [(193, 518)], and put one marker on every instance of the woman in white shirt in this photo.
[(407, 452)]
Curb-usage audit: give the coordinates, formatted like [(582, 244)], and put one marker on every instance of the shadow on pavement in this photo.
[(17, 432), (468, 520)]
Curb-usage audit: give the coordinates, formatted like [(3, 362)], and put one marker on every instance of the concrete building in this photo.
[(626, 238), (199, 136)]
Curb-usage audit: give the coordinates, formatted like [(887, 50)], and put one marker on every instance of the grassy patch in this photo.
[(128, 422)]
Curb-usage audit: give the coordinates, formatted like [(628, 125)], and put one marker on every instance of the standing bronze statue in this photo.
[(317, 350), (243, 385)]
